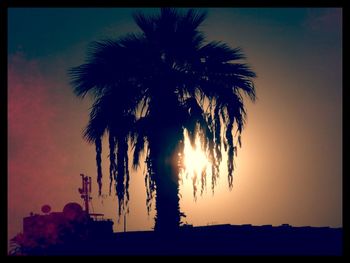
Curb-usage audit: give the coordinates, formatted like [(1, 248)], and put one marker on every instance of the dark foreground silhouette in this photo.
[(210, 240), (75, 231)]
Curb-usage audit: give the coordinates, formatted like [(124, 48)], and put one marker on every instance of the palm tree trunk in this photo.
[(167, 183), (167, 199)]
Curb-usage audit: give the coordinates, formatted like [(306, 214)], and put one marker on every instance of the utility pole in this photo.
[(124, 222), (85, 191)]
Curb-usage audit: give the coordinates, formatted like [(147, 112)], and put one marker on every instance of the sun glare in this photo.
[(194, 158)]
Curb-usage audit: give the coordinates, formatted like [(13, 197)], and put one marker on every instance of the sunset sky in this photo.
[(289, 169)]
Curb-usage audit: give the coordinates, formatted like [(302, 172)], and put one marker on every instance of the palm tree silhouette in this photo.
[(149, 87)]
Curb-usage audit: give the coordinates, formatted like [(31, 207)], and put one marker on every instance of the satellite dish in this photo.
[(72, 211), (45, 209)]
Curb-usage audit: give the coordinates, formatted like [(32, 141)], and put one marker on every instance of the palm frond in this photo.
[(139, 147), (193, 18), (145, 23), (98, 145), (217, 52), (100, 69), (112, 160)]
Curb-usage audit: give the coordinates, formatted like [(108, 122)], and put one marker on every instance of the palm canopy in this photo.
[(150, 86)]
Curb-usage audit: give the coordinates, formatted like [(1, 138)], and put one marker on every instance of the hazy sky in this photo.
[(289, 169)]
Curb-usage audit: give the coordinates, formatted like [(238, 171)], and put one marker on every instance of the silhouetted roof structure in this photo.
[(213, 240)]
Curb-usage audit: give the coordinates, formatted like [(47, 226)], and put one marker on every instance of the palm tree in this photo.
[(150, 86)]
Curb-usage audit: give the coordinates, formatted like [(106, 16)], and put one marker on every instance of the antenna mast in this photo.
[(85, 191)]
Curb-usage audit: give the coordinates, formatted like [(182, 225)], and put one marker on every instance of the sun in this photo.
[(194, 159)]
